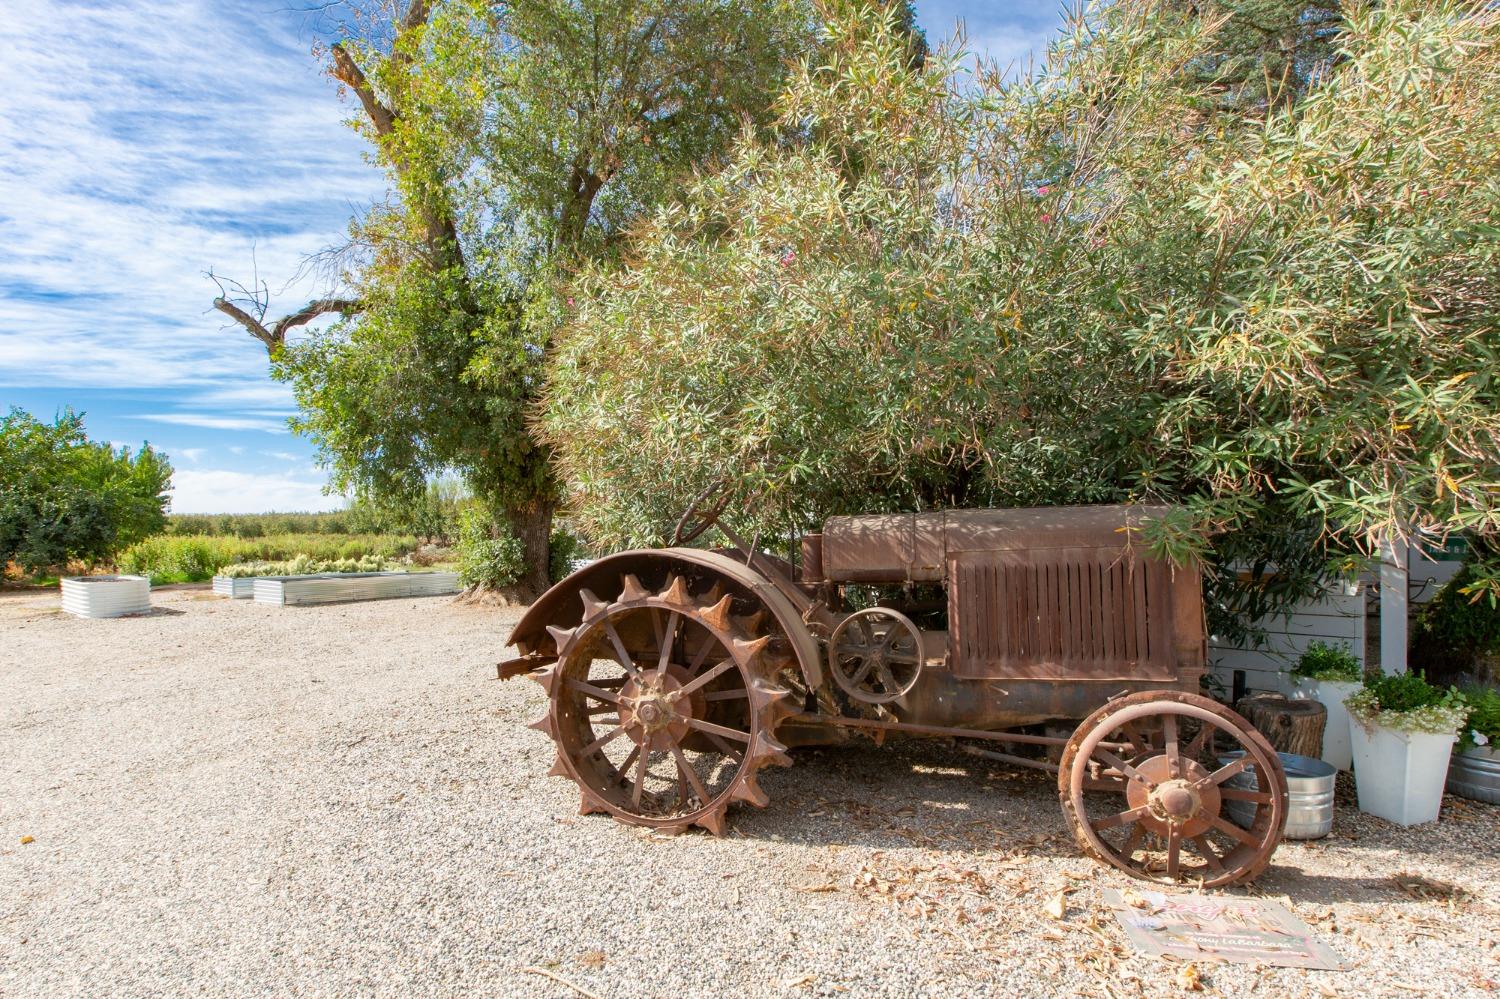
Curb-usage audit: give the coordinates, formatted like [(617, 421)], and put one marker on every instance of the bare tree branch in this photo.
[(248, 307)]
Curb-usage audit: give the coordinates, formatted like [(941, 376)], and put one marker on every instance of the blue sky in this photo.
[(143, 144)]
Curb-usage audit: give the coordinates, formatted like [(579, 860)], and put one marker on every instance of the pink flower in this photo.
[(1046, 217), (570, 302), (788, 258), (1044, 190)]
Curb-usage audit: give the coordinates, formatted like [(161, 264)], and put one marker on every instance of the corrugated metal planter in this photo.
[(342, 587), (1309, 795), (106, 596), (235, 587), (1476, 774)]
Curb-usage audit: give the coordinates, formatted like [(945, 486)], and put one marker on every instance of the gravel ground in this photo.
[(231, 799)]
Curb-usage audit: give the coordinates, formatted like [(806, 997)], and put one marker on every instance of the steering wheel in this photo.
[(695, 520)]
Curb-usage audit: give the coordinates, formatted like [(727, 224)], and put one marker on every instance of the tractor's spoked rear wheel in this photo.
[(1145, 782), (662, 708)]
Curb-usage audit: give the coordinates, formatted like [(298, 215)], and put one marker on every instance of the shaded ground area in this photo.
[(231, 799)]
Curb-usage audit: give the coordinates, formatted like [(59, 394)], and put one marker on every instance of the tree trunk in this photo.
[(1291, 726), (533, 526)]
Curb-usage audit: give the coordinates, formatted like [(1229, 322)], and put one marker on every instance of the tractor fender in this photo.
[(560, 606)]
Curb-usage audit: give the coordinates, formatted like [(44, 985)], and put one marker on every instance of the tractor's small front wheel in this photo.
[(1144, 781), (662, 707)]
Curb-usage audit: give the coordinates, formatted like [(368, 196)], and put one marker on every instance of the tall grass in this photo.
[(169, 558)]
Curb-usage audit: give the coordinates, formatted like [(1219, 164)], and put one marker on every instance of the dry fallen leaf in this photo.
[(592, 959), (1057, 906), (27, 839), (1188, 979)]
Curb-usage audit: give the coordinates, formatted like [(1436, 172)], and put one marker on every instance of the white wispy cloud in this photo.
[(229, 491), (283, 455), (211, 422), (141, 145), (193, 454)]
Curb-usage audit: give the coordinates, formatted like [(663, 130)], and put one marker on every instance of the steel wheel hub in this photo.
[(1183, 801), (654, 713)]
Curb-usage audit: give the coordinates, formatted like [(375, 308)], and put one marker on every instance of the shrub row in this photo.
[(175, 559)]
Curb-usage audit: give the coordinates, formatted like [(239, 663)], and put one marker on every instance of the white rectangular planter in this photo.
[(106, 596), (339, 588), (1400, 775), (235, 587), (1338, 751)]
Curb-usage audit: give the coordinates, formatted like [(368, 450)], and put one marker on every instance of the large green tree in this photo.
[(1125, 277), (521, 139), (65, 497)]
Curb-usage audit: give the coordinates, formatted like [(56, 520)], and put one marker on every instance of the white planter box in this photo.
[(106, 596), (1400, 775), (1338, 751), (235, 587)]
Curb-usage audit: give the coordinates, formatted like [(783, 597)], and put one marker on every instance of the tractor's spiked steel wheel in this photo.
[(1143, 784), (663, 706)]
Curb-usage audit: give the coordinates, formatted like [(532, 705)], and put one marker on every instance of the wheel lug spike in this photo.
[(588, 806), (712, 820), (631, 589), (676, 593), (718, 615), (592, 605), (562, 637), (749, 791), (559, 769), (543, 724)]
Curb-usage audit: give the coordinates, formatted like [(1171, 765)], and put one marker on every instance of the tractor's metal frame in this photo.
[(1067, 649)]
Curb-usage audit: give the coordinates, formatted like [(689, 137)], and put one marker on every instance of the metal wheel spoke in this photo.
[(1129, 771), (1174, 850), (726, 695), (597, 693), (1122, 818), (886, 679), (863, 671), (1233, 831), (725, 747), (710, 727), (706, 678), (600, 742), (702, 653), (622, 655), (1169, 738), (1245, 794), (684, 768), (904, 658), (667, 641), (625, 767), (1210, 855), (640, 779), (1200, 741), (1222, 774), (1133, 841), (1139, 745)]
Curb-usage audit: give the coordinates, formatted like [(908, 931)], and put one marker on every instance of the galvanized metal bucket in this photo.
[(1309, 795), (1476, 774)]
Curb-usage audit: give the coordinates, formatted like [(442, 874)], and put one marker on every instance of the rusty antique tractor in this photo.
[(674, 675)]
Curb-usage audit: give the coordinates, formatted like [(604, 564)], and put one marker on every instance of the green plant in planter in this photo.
[(1327, 662), (1406, 702), (1483, 725)]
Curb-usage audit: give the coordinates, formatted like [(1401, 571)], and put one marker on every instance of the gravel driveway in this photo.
[(233, 799)]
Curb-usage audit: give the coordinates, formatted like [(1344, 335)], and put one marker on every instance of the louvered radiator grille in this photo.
[(1060, 612)]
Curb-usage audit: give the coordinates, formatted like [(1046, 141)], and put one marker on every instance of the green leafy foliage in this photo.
[(1484, 718), (519, 138), (564, 551), (1406, 702), (1326, 662), (258, 525), (1455, 628), (65, 497), (304, 565), (488, 555), (1111, 280), (193, 558)]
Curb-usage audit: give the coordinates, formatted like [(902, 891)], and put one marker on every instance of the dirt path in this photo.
[(232, 799)]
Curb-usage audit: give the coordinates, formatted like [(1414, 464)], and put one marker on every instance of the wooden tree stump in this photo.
[(1291, 726)]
